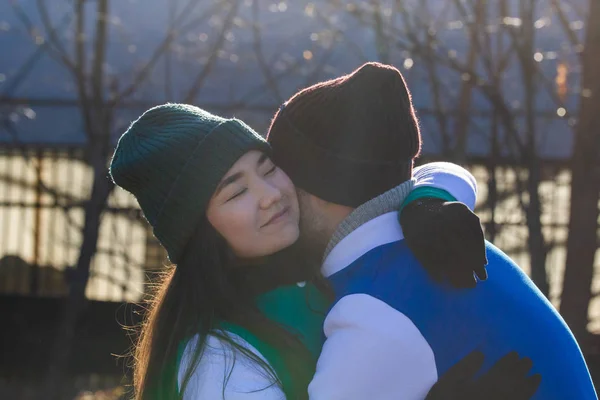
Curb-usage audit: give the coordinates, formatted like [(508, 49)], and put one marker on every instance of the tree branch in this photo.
[(564, 23), (259, 55), (53, 38), (214, 54), (172, 33)]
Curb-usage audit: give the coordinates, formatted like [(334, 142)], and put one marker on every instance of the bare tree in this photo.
[(523, 42), (97, 120), (80, 44), (97, 108), (582, 243), (478, 67), (98, 97), (498, 35)]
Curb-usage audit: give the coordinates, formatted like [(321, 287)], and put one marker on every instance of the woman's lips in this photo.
[(278, 217)]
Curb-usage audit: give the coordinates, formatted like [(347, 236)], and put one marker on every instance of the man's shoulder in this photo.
[(389, 265), (392, 256), (495, 255)]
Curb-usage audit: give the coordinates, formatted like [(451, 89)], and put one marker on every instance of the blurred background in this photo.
[(508, 88)]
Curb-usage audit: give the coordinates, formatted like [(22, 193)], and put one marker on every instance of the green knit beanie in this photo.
[(172, 159)]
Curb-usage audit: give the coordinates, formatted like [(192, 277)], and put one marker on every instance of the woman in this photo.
[(217, 231), (222, 210)]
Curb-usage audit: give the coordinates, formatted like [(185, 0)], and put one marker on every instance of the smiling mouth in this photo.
[(277, 217)]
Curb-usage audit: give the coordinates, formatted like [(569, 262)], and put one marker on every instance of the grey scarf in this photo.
[(382, 204)]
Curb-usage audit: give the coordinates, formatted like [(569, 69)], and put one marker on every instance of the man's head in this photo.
[(344, 142)]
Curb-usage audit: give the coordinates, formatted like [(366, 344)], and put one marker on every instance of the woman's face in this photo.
[(255, 207)]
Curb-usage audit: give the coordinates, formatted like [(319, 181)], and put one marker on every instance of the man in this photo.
[(349, 145)]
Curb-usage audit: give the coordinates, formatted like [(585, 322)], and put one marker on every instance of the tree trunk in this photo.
[(535, 238), (461, 128), (533, 209), (582, 242), (492, 183), (76, 300)]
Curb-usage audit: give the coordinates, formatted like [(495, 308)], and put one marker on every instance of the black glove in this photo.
[(447, 239), (506, 380)]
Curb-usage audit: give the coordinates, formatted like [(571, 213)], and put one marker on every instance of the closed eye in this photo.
[(238, 194), (270, 171)]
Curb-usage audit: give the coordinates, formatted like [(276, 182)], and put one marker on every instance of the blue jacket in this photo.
[(506, 312)]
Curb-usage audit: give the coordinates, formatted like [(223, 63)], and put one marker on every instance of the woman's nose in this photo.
[(271, 195)]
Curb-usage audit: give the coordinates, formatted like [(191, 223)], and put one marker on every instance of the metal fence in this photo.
[(42, 192)]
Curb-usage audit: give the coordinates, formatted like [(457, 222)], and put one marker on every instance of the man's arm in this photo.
[(372, 351), (452, 178), (443, 234)]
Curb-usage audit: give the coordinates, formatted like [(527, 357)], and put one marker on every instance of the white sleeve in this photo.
[(220, 362), (374, 352), (452, 178)]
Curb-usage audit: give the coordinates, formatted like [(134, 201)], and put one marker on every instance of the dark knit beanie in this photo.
[(349, 139), (172, 159)]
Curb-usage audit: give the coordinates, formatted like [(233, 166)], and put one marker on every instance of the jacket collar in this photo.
[(381, 230)]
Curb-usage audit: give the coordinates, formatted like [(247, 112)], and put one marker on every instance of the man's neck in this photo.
[(382, 204), (335, 218)]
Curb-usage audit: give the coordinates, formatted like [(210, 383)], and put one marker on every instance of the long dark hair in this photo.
[(205, 288)]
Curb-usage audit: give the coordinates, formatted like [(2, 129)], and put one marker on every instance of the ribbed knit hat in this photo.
[(172, 159), (349, 139)]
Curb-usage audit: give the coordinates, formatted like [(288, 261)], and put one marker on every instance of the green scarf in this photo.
[(298, 308)]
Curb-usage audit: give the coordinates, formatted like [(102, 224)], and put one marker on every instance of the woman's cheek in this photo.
[(241, 218), (243, 236), (226, 220)]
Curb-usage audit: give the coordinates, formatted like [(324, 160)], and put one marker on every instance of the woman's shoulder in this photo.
[(225, 369), (219, 344)]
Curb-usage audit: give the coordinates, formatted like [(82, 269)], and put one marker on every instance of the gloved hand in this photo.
[(447, 239), (506, 380)]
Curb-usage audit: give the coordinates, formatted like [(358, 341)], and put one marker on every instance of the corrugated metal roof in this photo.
[(236, 84)]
